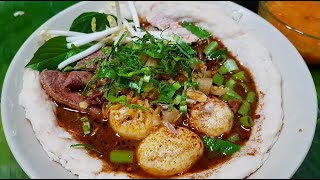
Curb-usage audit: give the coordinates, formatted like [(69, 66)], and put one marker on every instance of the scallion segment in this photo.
[(85, 125), (244, 108), (246, 121), (183, 109), (220, 55), (223, 70), (230, 83), (231, 65), (231, 94), (218, 79), (121, 156), (251, 97), (211, 48), (177, 100), (239, 76), (228, 66)]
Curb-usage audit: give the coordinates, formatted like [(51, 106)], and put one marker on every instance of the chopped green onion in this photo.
[(220, 55), (177, 100), (246, 121), (230, 65), (233, 138), (183, 102), (251, 97), (86, 128), (218, 79), (121, 156), (231, 94), (199, 32), (85, 125), (228, 148), (183, 109), (239, 76), (244, 108), (210, 48), (174, 88), (140, 85), (166, 92), (223, 70), (85, 146), (230, 83)]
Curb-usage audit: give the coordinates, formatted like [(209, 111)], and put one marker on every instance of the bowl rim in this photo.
[(262, 4)]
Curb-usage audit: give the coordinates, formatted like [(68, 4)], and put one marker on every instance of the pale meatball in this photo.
[(164, 153), (213, 117), (133, 124)]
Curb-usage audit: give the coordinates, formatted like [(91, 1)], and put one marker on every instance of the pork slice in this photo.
[(89, 61), (170, 25), (52, 82)]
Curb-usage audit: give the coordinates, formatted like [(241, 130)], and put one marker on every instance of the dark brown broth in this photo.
[(104, 139)]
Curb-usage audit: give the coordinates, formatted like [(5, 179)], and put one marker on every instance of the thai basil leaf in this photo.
[(52, 53), (83, 22), (199, 32)]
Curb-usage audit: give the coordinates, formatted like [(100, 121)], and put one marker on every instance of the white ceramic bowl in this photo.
[(299, 98)]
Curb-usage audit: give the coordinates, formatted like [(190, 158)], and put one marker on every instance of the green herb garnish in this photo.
[(199, 32), (225, 147), (52, 53), (85, 125), (90, 147)]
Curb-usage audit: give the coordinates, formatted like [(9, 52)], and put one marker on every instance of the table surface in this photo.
[(15, 30)]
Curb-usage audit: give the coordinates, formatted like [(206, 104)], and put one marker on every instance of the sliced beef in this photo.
[(96, 98), (52, 82), (77, 80), (90, 62)]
